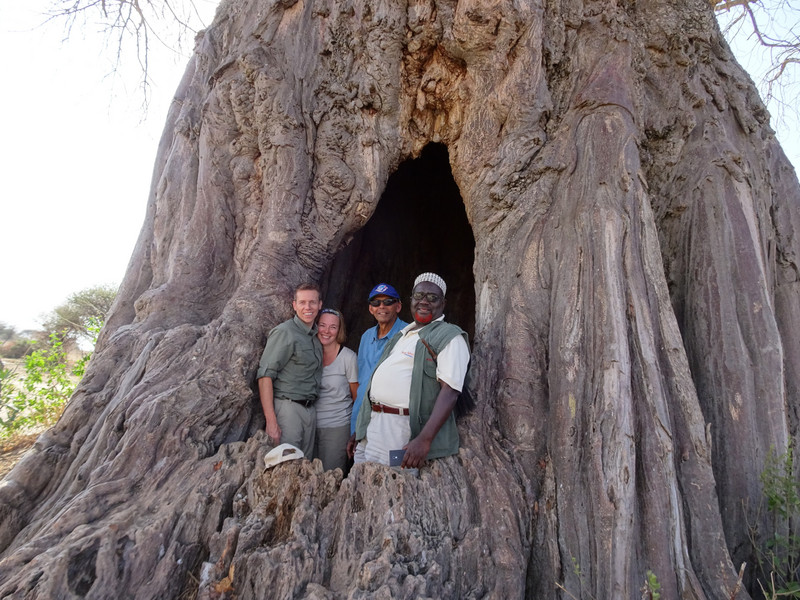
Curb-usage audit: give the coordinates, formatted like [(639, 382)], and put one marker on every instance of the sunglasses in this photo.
[(385, 302), (330, 311), (432, 298)]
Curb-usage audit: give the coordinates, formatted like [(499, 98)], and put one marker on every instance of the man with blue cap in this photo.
[(384, 304)]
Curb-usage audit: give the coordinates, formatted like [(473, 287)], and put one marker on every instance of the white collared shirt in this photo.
[(391, 383)]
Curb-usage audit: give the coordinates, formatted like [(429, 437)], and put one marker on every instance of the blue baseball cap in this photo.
[(383, 289)]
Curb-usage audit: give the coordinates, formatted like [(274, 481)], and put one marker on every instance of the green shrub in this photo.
[(651, 587), (38, 396), (778, 556)]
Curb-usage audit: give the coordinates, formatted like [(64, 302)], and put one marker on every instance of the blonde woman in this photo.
[(338, 390)]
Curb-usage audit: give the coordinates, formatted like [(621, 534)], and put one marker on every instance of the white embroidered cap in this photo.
[(434, 279)]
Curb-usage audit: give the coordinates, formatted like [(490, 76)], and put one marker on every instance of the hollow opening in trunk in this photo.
[(420, 225)]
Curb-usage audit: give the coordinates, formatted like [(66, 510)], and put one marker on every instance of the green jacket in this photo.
[(424, 389)]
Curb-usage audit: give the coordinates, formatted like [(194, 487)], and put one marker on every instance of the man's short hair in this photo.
[(307, 286)]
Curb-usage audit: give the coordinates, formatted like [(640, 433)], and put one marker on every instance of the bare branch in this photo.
[(720, 6), (772, 25), (139, 22)]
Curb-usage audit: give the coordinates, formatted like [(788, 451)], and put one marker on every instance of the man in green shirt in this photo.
[(290, 373)]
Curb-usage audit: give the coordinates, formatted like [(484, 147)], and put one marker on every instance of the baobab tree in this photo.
[(598, 184)]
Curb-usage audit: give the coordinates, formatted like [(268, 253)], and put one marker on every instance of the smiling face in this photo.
[(306, 305), (385, 315), (328, 329), (423, 309)]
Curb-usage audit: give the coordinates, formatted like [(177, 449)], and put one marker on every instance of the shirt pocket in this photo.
[(304, 358), (429, 365)]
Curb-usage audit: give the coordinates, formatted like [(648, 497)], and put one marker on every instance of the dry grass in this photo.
[(13, 448)]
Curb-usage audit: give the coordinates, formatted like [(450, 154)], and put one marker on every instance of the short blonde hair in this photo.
[(308, 286)]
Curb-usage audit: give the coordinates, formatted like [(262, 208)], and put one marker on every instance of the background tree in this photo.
[(12, 343), (7, 332), (601, 178), (78, 317)]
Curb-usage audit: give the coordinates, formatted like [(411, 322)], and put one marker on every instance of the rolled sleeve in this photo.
[(277, 352), (452, 363)]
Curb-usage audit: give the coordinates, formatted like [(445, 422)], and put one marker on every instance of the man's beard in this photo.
[(423, 320)]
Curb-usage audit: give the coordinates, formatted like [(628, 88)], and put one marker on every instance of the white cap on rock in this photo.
[(281, 454)]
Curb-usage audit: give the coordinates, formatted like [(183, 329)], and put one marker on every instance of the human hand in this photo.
[(274, 433), (351, 446), (416, 453)]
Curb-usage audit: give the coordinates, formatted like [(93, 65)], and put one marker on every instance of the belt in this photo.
[(389, 410), (305, 403)]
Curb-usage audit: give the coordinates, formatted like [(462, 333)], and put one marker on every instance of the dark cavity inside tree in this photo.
[(419, 225)]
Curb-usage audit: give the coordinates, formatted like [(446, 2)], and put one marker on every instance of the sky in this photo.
[(77, 155)]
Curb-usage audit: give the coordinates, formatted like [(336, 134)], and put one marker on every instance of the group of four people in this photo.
[(393, 403)]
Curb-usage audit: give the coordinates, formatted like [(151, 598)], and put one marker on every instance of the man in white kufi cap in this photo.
[(414, 388)]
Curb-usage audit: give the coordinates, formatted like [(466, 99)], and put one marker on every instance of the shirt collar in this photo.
[(410, 326), (389, 335), (312, 330)]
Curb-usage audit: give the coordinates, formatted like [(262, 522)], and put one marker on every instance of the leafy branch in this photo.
[(38, 396)]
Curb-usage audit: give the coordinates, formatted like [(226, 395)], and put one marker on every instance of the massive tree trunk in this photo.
[(598, 184)]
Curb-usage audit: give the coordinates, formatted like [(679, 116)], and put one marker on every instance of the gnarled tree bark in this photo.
[(634, 268)]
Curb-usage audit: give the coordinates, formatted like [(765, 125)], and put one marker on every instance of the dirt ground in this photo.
[(12, 451)]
